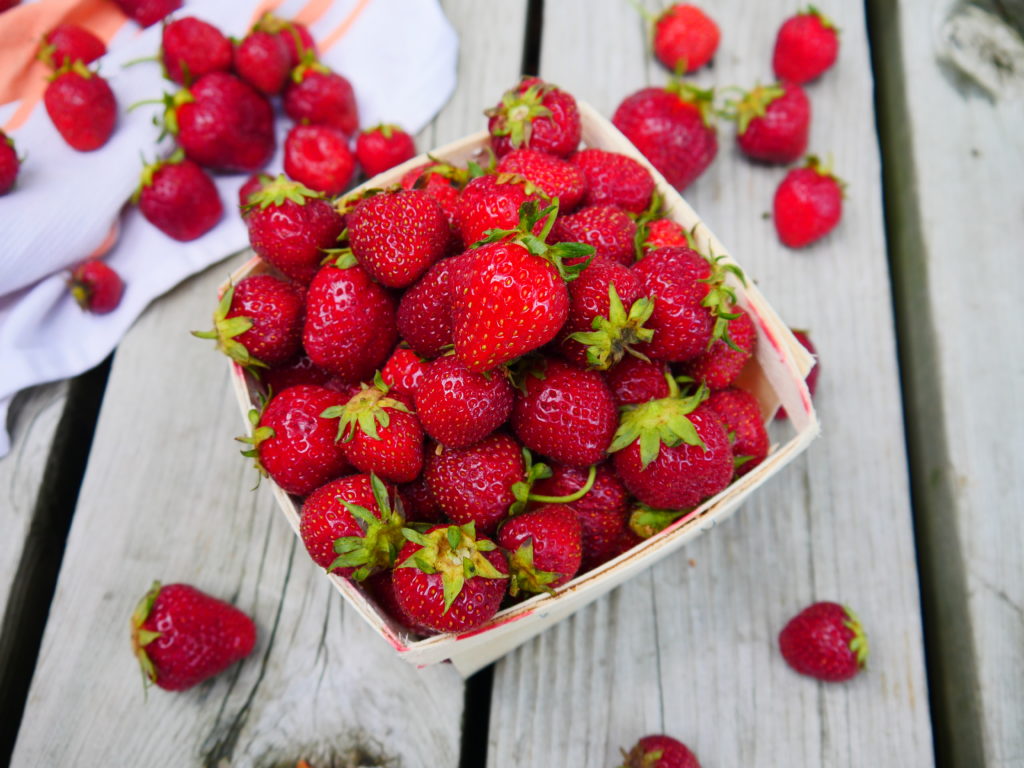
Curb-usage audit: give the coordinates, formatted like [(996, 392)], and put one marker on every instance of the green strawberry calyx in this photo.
[(523, 490), (225, 329), (387, 130), (280, 190), (365, 411), (659, 422), (721, 298), (525, 576), (815, 163), (377, 549), (308, 63), (143, 637), (437, 167), (614, 336), (859, 641), (517, 111), (646, 521), (703, 99), (454, 552), (826, 22), (257, 436), (638, 758), (754, 103)]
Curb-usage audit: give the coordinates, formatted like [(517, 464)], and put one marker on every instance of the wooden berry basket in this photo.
[(775, 375)]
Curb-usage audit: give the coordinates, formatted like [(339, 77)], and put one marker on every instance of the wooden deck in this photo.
[(908, 507)]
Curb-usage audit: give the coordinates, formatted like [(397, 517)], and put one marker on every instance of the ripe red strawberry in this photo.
[(545, 547), (296, 36), (633, 381), (568, 415), (293, 443), (773, 123), (812, 376), (685, 38), (6, 5), (383, 147), (442, 182), (177, 197), (318, 156), (222, 123), (424, 313), (672, 453), (397, 236), (96, 287), (475, 484), (148, 12), (826, 641), (263, 60), (66, 43), (744, 424), (556, 177), (808, 204), (290, 227), (192, 48), (318, 96), (258, 322), (182, 636), (806, 45), (351, 526), (82, 107), (420, 504), (492, 202), (381, 587), (350, 321), (660, 751), (450, 579), (606, 227), (719, 366), (672, 127), (253, 184), (535, 115), (614, 179), (458, 407), (664, 233), (9, 163), (299, 371), (404, 371)]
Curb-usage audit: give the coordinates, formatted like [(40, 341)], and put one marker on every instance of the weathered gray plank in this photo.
[(954, 161), (690, 648)]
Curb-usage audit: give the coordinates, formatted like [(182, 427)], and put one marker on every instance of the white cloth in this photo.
[(400, 56)]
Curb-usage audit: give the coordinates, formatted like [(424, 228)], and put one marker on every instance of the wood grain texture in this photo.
[(689, 648)]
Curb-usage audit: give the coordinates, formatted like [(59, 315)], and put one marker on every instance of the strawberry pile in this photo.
[(488, 379)]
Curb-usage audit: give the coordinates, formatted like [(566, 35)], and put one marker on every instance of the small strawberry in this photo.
[(449, 578), (353, 526), (442, 182), (663, 233), (545, 547), (633, 381), (425, 312), (82, 107), (606, 227), (67, 43), (290, 227), (318, 96), (458, 407), (383, 147), (96, 287), (10, 164), (685, 38), (404, 371), (177, 197), (318, 156), (659, 751), (192, 48), (741, 415), (296, 36), (299, 371), (263, 61), (293, 444), (258, 321), (556, 177), (719, 366), (614, 179), (182, 636), (148, 12), (826, 641), (535, 115), (812, 375), (808, 204), (672, 127), (806, 45), (398, 235), (773, 123), (492, 202)]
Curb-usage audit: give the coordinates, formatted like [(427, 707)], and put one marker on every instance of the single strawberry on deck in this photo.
[(773, 123), (825, 641), (81, 106), (318, 96), (191, 48), (807, 44), (535, 115), (318, 156), (178, 198), (10, 164), (382, 147), (96, 287), (685, 38), (808, 204), (659, 751), (66, 43)]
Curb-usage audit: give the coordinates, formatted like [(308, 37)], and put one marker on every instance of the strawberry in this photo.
[(458, 407), (450, 579), (719, 365), (663, 233), (442, 182), (182, 636), (177, 197), (381, 587), (492, 202), (808, 204), (252, 185), (812, 375), (773, 123), (298, 40), (404, 371), (741, 415), (672, 453), (258, 322), (398, 235), (6, 5), (685, 38), (9, 163), (420, 504), (290, 226), (318, 96), (606, 227), (556, 177), (299, 371), (318, 156), (659, 751), (633, 381), (351, 526), (567, 414), (475, 484), (293, 443), (672, 127), (806, 45), (535, 115), (148, 12), (192, 48), (263, 60), (424, 312), (545, 548), (67, 43), (382, 147), (82, 107), (826, 641), (96, 287), (614, 179)]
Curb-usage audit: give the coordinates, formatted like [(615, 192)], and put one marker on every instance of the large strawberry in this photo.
[(606, 227), (719, 366), (773, 123), (492, 202), (614, 179), (556, 177), (182, 636), (192, 48), (545, 547), (82, 107), (425, 312), (808, 204), (66, 43), (634, 380), (685, 38), (178, 198), (382, 147), (458, 407), (807, 44), (826, 641), (660, 751), (318, 96), (318, 156), (741, 415), (535, 115)]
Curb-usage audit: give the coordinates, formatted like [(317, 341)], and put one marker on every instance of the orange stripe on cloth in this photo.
[(312, 11), (342, 29)]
